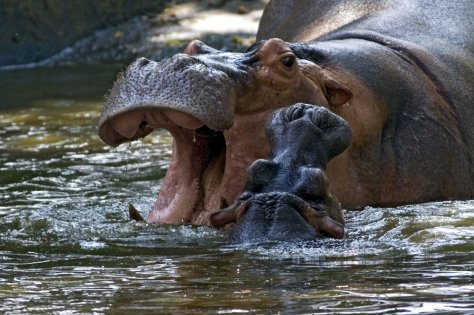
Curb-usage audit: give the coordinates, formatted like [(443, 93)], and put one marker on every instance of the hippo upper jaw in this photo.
[(178, 91)]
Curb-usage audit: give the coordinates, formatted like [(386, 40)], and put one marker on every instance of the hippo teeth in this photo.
[(138, 123)]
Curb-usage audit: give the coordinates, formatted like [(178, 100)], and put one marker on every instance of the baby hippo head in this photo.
[(287, 197)]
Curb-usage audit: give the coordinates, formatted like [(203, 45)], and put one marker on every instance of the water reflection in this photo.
[(68, 246)]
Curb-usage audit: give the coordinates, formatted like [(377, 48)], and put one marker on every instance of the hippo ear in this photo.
[(323, 223), (229, 215), (336, 93), (197, 47)]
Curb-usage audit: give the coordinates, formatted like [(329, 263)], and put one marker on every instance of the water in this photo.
[(67, 246)]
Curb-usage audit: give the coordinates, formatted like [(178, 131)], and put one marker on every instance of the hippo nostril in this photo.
[(293, 112), (193, 47), (197, 47), (297, 113), (224, 203), (143, 62), (317, 118)]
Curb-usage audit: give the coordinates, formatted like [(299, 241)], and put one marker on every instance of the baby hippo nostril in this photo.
[(317, 118), (295, 112)]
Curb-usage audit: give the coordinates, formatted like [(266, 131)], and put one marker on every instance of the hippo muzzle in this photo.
[(180, 91)]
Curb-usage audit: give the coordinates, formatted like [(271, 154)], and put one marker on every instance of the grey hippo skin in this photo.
[(287, 197), (399, 72)]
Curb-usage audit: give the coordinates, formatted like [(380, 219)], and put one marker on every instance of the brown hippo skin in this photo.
[(399, 72)]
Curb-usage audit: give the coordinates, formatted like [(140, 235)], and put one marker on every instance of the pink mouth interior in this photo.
[(194, 147), (181, 196)]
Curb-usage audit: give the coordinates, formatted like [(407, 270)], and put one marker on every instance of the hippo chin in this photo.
[(399, 72), (287, 197)]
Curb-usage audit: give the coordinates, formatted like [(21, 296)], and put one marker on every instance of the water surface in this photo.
[(67, 246)]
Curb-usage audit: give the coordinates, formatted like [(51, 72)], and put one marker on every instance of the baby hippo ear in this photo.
[(229, 215), (323, 223), (335, 92)]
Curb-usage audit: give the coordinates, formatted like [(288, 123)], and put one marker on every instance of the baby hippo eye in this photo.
[(288, 61)]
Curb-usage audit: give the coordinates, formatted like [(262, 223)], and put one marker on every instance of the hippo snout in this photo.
[(180, 91), (276, 216)]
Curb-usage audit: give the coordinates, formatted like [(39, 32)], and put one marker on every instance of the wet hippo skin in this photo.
[(398, 72), (287, 197)]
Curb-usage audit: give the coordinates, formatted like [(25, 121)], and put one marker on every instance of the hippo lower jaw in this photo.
[(197, 152)]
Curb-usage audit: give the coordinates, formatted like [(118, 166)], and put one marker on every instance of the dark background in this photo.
[(31, 30)]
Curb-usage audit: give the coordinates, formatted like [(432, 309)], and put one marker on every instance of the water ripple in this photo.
[(67, 245)]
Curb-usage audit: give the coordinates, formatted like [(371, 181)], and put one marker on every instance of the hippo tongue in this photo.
[(180, 188)]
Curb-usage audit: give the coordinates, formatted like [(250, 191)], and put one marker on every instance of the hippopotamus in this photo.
[(287, 197), (399, 72)]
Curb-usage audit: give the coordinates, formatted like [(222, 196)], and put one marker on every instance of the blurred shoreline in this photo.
[(224, 25)]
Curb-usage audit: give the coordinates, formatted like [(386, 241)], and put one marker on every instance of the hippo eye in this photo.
[(288, 61)]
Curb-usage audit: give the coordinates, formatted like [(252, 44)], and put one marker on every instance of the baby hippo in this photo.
[(287, 197)]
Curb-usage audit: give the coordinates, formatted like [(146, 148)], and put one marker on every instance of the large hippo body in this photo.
[(399, 72), (410, 67)]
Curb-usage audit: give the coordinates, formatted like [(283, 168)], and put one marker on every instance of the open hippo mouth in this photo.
[(175, 92), (176, 95)]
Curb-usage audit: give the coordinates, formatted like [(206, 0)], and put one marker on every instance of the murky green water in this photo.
[(66, 245)]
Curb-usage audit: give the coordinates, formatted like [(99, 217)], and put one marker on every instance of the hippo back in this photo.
[(443, 28), (424, 22)]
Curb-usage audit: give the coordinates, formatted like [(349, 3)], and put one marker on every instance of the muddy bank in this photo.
[(226, 25)]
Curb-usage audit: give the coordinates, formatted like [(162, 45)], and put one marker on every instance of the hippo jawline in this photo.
[(147, 97)]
